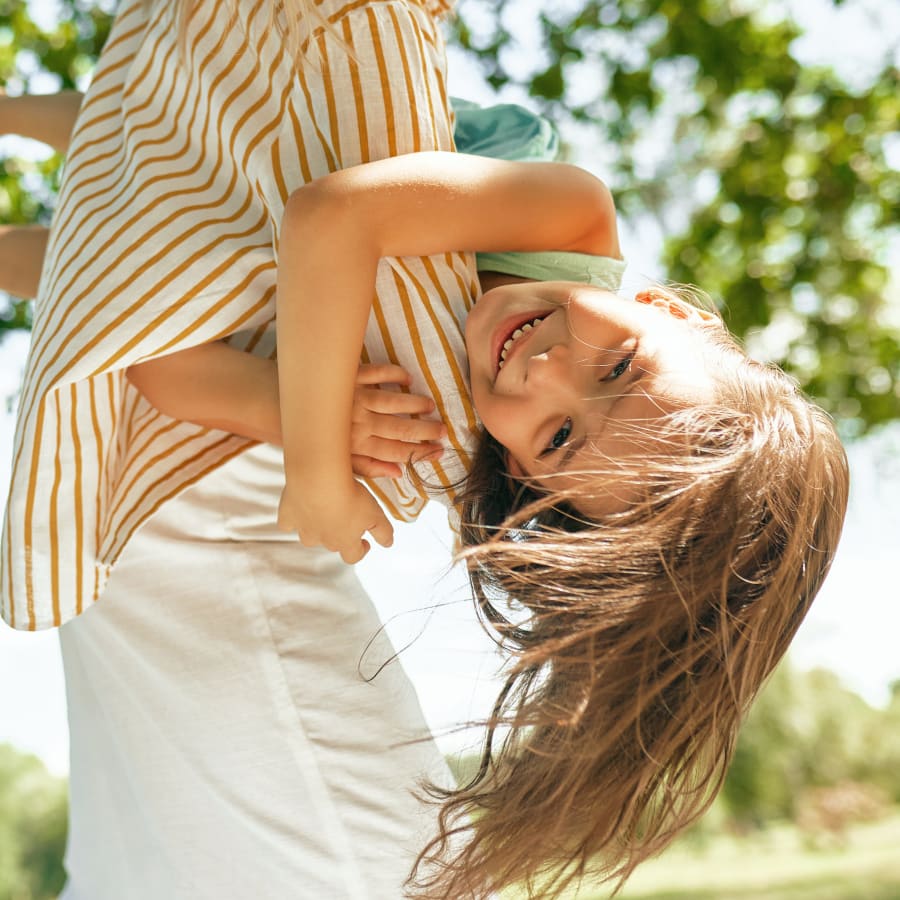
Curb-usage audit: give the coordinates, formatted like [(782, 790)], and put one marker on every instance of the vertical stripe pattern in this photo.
[(166, 236)]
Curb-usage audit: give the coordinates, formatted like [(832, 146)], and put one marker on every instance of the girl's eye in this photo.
[(559, 439), (621, 367)]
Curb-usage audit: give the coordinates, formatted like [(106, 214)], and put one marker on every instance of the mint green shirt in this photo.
[(512, 132)]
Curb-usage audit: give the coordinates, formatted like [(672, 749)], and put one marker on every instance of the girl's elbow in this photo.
[(144, 377), (135, 376), (602, 234)]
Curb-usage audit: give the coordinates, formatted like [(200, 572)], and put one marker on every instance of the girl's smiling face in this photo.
[(565, 375)]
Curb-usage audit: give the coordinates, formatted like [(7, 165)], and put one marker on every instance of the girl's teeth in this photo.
[(514, 337)]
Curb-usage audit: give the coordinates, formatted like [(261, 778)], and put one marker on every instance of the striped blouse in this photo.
[(166, 236)]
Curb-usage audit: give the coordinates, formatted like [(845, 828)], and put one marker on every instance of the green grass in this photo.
[(774, 865)]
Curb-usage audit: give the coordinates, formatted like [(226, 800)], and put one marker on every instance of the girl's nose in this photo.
[(551, 370)]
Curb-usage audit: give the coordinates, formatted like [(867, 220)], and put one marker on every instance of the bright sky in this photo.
[(852, 628)]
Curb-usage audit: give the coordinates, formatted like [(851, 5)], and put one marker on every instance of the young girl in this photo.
[(662, 508), (647, 518)]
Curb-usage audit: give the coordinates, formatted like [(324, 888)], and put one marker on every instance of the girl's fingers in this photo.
[(382, 373), (381, 531), (385, 450), (393, 402), (369, 467), (396, 428), (354, 553)]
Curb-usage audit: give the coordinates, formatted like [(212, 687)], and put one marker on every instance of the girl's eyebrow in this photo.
[(577, 445), (635, 378)]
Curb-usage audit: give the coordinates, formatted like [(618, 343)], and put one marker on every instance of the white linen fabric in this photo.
[(224, 741)]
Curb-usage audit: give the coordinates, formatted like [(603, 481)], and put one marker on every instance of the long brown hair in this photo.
[(639, 639)]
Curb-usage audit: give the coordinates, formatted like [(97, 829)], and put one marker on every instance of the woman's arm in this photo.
[(43, 117), (216, 386), (22, 250), (334, 232)]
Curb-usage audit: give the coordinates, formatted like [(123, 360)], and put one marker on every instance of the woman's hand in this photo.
[(382, 436), (333, 512)]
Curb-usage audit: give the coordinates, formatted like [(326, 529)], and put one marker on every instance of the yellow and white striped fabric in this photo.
[(166, 236)]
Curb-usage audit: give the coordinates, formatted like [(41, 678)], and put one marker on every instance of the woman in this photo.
[(643, 619), (223, 743)]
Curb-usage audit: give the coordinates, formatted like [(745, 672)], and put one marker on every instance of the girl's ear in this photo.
[(680, 309)]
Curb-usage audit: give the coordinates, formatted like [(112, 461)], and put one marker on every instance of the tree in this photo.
[(773, 187), (32, 828), (806, 731), (63, 57), (772, 183)]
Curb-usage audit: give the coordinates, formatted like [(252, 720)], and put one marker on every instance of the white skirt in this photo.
[(223, 742)]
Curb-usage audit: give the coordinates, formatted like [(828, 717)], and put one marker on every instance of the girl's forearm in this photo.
[(326, 278), (216, 386), (49, 118), (22, 250)]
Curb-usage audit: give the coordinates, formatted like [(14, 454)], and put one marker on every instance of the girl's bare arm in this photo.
[(334, 232), (425, 203), (43, 117)]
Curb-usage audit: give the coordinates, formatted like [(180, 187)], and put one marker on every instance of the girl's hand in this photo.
[(381, 435), (335, 516)]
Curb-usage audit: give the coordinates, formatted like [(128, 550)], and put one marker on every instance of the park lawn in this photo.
[(775, 864)]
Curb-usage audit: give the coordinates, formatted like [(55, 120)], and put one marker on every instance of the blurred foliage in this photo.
[(808, 731), (67, 51), (769, 178), (33, 59), (32, 828)]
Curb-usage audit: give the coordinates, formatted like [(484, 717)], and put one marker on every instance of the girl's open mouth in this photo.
[(510, 333)]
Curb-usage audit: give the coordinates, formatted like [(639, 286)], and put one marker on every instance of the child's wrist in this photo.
[(320, 473)]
